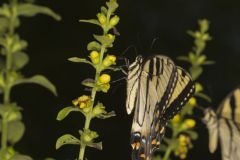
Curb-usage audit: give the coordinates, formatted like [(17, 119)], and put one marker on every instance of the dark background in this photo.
[(51, 43)]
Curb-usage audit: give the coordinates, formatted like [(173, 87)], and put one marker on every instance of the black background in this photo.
[(51, 43)]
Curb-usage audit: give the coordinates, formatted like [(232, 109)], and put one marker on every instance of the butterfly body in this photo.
[(157, 89), (224, 124)]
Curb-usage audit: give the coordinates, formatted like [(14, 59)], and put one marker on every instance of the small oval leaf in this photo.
[(67, 139), (65, 111), (40, 80)]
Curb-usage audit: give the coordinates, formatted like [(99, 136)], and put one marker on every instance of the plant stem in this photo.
[(93, 95), (170, 149), (7, 87)]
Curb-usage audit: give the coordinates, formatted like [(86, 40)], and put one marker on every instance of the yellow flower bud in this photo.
[(94, 56), (192, 101), (190, 123), (198, 34), (102, 18), (198, 87), (87, 138), (114, 21), (109, 60), (205, 37), (110, 36), (176, 119), (75, 102), (104, 78)]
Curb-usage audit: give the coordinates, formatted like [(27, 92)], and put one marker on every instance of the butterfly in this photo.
[(157, 89), (224, 124)]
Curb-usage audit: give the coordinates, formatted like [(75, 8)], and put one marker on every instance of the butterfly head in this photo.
[(210, 116), (138, 61)]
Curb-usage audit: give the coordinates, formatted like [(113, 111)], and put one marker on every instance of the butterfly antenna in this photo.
[(120, 79), (154, 42), (128, 48)]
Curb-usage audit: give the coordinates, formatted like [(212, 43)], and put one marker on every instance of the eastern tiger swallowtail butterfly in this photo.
[(157, 89), (224, 124)]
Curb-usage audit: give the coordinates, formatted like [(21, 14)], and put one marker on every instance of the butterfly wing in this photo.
[(229, 132), (211, 121), (156, 81), (230, 107), (182, 92), (164, 89)]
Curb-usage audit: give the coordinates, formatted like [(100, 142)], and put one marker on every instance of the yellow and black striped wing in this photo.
[(230, 107), (229, 125), (161, 86)]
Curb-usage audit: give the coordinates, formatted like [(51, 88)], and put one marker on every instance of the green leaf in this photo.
[(3, 24), (203, 96), (195, 72), (184, 58), (201, 59), (95, 145), (92, 21), (65, 111), (67, 139), (20, 60), (88, 82), (192, 134), (112, 5), (94, 46), (16, 130), (104, 40), (80, 60), (107, 115), (104, 10), (21, 157), (40, 80), (192, 57), (30, 10), (208, 63)]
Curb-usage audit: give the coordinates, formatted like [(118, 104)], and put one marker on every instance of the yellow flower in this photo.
[(176, 119), (189, 123), (102, 18), (114, 21), (94, 56), (82, 101), (182, 140), (183, 156), (104, 79), (109, 60), (192, 101)]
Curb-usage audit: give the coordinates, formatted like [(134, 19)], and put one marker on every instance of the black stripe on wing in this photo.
[(179, 101)]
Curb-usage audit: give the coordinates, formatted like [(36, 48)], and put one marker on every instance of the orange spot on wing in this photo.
[(154, 141), (142, 155)]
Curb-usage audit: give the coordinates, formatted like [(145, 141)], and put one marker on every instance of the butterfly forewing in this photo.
[(181, 93), (230, 107), (156, 79)]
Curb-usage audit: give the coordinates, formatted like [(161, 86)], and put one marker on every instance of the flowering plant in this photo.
[(100, 61), (181, 127)]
